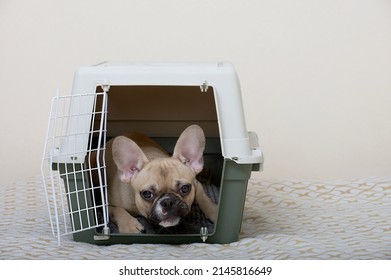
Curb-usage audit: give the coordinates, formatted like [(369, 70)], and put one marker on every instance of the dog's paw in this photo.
[(131, 226)]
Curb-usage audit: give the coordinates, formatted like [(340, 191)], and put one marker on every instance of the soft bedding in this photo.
[(348, 219)]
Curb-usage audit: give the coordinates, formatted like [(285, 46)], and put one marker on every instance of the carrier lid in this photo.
[(236, 142)]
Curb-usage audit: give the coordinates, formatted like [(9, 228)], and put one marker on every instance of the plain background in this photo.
[(315, 75)]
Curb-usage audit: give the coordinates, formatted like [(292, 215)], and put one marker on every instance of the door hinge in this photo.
[(105, 85), (104, 236)]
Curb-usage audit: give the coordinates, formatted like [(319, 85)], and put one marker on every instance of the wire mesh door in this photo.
[(73, 165)]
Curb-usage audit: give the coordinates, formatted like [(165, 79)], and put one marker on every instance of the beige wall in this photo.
[(315, 75)]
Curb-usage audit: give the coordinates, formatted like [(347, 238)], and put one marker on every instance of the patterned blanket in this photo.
[(282, 220)]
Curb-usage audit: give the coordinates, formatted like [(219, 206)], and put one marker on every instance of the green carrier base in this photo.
[(232, 196)]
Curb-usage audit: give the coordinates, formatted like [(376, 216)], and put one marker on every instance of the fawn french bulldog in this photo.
[(144, 180)]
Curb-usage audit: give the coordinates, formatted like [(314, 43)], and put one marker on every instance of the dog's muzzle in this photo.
[(168, 210)]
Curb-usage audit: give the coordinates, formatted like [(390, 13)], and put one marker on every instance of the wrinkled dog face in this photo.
[(164, 191), (164, 187)]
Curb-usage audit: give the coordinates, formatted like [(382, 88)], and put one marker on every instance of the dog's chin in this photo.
[(170, 221)]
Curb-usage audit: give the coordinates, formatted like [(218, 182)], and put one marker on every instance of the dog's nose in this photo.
[(168, 202)]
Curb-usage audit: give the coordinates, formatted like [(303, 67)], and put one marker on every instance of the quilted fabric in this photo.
[(282, 220)]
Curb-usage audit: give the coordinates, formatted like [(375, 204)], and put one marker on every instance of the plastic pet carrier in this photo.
[(159, 100)]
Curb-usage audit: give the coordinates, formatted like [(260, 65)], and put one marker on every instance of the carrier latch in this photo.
[(204, 233), (204, 87)]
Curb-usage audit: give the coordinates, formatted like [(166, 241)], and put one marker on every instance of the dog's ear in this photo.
[(128, 157), (190, 147)]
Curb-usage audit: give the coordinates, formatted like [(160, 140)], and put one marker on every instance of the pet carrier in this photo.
[(159, 100)]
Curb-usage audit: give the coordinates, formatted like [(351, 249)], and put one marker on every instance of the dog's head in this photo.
[(164, 187)]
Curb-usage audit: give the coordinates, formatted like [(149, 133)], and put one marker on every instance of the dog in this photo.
[(143, 180)]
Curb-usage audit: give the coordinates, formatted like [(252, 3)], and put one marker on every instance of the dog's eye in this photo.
[(147, 195), (185, 189)]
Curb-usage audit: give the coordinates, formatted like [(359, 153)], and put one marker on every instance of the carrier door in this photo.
[(73, 165)]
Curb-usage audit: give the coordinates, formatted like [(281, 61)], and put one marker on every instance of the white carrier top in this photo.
[(236, 142)]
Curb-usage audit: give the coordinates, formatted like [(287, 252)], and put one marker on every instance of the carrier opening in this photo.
[(162, 113)]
